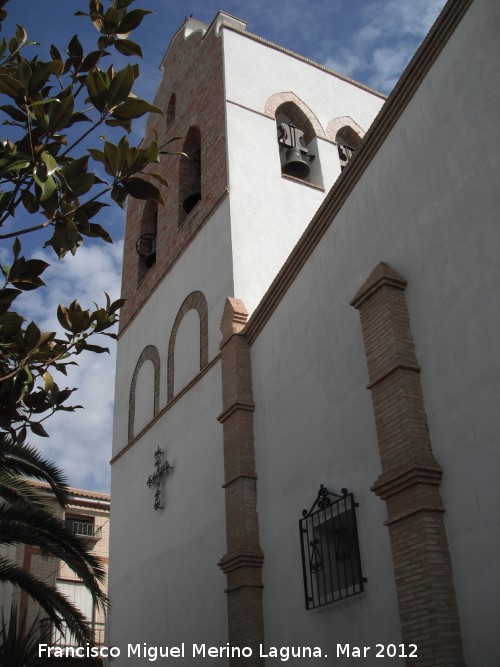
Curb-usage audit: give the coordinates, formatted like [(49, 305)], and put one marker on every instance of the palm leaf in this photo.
[(54, 603)]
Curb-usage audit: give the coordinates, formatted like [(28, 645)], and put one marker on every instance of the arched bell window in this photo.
[(171, 110), (146, 242), (348, 141), (297, 144), (190, 174)]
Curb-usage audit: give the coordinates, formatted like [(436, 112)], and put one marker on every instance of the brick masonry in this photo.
[(242, 563), (193, 69), (150, 353), (194, 301), (410, 478)]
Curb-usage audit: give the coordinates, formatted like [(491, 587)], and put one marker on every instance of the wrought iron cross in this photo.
[(162, 470)]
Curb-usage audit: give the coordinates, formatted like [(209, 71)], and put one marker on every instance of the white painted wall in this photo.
[(268, 212), (205, 266), (427, 206), (165, 586)]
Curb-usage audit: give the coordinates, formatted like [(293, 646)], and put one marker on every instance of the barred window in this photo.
[(331, 562)]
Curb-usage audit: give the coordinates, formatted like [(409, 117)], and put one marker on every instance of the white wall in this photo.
[(205, 266), (426, 205), (165, 586), (269, 213)]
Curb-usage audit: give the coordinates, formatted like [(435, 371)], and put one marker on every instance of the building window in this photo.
[(331, 562), (146, 243), (297, 144), (190, 174), (81, 525), (171, 110)]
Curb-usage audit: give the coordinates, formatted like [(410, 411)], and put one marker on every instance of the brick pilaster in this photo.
[(243, 561), (410, 478)]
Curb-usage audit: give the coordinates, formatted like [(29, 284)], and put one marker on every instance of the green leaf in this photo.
[(46, 183), (119, 195), (111, 157), (38, 429), (59, 113), (75, 49), (11, 87), (14, 112), (134, 108), (50, 162), (128, 48), (141, 189), (41, 75), (131, 21), (95, 231), (97, 87), (29, 201), (82, 184), (120, 87)]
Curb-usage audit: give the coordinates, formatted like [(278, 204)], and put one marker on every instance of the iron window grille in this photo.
[(331, 563)]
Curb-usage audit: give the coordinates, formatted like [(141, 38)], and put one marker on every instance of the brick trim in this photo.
[(410, 478), (278, 99), (242, 564), (149, 353), (342, 121), (165, 409), (194, 301)]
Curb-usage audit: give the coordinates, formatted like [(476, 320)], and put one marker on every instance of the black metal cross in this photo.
[(162, 470)]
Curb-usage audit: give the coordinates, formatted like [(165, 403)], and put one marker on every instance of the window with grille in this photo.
[(330, 549)]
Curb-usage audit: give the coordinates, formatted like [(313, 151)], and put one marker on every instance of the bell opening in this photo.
[(190, 202)]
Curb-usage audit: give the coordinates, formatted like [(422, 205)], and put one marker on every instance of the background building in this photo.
[(87, 515), (388, 281)]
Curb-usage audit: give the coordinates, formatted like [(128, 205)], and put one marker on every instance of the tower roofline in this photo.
[(235, 24)]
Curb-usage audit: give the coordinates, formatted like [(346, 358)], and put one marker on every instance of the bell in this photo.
[(295, 165), (146, 248)]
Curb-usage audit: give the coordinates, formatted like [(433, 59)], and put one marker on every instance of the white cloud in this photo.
[(80, 442), (390, 32)]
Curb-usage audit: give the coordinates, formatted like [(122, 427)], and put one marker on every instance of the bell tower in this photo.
[(258, 127)]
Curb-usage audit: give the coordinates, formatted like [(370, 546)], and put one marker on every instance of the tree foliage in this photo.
[(48, 176), (26, 518)]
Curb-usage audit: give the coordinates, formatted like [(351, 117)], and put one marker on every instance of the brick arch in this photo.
[(149, 353), (337, 124), (278, 99), (197, 301)]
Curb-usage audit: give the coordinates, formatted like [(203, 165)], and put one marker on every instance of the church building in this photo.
[(305, 451)]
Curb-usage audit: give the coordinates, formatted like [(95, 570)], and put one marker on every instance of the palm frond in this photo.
[(21, 522), (24, 460), (54, 603)]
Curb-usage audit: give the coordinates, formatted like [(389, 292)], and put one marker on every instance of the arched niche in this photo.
[(297, 131), (146, 242), (149, 354), (194, 301), (190, 174), (347, 134)]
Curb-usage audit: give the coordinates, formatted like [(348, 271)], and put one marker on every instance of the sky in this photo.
[(370, 41)]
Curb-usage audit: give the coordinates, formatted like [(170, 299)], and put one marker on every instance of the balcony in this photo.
[(50, 635)]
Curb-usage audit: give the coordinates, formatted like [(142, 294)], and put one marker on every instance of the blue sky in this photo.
[(368, 40)]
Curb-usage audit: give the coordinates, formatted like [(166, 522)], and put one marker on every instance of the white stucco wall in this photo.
[(426, 205), (268, 212), (165, 586), (206, 266)]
